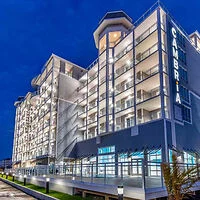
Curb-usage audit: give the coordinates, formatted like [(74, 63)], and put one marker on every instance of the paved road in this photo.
[(8, 192)]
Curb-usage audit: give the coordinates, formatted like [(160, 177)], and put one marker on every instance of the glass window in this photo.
[(183, 74), (102, 44), (105, 150), (181, 39), (184, 94), (114, 38), (182, 56), (186, 113), (189, 158)]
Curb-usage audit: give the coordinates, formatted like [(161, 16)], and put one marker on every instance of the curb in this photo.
[(33, 193)]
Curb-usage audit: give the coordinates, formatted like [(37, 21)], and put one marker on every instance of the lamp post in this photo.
[(2, 174), (13, 177), (7, 175), (120, 192), (25, 180), (47, 185)]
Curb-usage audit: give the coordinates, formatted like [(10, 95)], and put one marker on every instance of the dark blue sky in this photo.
[(30, 30)]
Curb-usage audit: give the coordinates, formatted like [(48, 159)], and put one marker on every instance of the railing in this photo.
[(137, 173), (82, 86), (154, 115), (145, 54), (146, 74), (123, 69), (91, 106), (92, 78), (124, 87), (124, 106), (124, 125), (124, 51), (149, 94), (146, 33)]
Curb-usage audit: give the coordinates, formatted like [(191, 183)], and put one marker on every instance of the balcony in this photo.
[(142, 75), (143, 95), (141, 56), (129, 102), (149, 116), (123, 52), (123, 87), (146, 33), (92, 91), (123, 69), (91, 78), (83, 85)]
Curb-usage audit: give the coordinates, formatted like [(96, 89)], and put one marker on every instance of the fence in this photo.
[(136, 173)]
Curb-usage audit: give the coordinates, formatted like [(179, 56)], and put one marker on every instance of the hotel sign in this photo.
[(175, 64)]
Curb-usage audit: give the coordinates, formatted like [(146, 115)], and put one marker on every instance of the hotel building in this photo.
[(136, 103)]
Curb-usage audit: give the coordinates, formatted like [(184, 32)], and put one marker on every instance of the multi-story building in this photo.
[(37, 113), (5, 164), (137, 102)]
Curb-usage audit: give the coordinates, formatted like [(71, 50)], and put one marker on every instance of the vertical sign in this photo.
[(175, 64)]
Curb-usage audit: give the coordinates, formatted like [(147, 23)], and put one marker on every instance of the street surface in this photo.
[(8, 192)]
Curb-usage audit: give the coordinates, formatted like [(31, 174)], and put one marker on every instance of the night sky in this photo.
[(31, 30)]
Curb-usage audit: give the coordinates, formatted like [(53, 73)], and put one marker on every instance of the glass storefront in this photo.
[(155, 158)]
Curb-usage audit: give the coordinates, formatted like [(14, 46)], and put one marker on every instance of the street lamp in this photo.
[(120, 192), (7, 175), (13, 177), (2, 174), (25, 180), (47, 185)]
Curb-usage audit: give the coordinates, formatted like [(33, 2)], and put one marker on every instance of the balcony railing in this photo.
[(91, 106), (149, 117), (145, 54), (124, 51), (124, 125), (146, 33), (124, 106), (123, 69), (148, 94), (82, 86), (124, 87), (92, 91), (92, 78), (146, 74)]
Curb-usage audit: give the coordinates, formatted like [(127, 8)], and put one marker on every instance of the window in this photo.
[(114, 38), (130, 121), (184, 94), (155, 157), (181, 39), (189, 159), (102, 44), (183, 74), (186, 113), (129, 103), (182, 56), (105, 150)]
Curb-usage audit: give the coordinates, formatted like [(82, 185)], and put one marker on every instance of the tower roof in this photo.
[(112, 18)]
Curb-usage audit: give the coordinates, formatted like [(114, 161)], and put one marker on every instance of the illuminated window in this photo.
[(102, 44), (114, 38), (105, 150)]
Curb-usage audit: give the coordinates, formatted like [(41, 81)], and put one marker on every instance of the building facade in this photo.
[(36, 122), (139, 100)]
